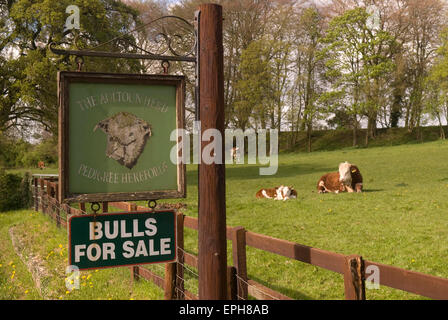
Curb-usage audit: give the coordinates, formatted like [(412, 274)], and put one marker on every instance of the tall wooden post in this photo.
[(212, 247)]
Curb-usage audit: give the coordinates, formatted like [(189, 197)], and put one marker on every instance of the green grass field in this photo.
[(401, 220)]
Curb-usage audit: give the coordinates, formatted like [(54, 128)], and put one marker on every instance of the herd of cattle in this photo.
[(347, 179)]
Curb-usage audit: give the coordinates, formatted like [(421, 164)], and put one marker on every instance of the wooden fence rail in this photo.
[(351, 267)]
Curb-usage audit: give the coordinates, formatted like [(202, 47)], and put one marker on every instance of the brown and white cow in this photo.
[(41, 165), (348, 178), (234, 153), (278, 193), (356, 178)]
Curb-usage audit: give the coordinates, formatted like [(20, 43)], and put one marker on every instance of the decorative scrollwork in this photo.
[(168, 38)]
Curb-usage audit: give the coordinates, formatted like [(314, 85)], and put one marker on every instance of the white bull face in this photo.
[(344, 173)]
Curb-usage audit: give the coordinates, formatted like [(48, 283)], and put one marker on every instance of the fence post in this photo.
[(82, 207), (57, 209), (49, 209), (170, 281), (232, 293), (66, 209), (132, 207), (134, 269), (354, 278), (36, 194), (180, 256), (42, 194), (239, 260), (134, 273), (105, 207)]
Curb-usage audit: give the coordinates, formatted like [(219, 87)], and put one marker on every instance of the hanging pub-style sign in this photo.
[(114, 136)]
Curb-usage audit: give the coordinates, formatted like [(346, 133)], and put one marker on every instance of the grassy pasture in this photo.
[(399, 220)]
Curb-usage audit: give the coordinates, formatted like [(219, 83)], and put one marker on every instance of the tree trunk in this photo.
[(442, 132), (372, 125), (355, 135), (406, 124), (367, 134), (308, 136)]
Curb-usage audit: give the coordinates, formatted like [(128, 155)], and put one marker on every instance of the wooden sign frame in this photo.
[(65, 79)]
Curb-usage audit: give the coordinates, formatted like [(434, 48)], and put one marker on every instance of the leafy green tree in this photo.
[(358, 66), (309, 68), (28, 73), (255, 85), (436, 83)]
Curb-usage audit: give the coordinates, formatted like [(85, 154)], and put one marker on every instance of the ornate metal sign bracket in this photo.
[(176, 35), (165, 45)]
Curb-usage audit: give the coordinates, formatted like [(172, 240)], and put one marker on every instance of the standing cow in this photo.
[(348, 178), (234, 154), (41, 165)]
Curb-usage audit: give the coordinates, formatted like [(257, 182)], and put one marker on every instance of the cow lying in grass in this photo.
[(278, 193), (348, 179)]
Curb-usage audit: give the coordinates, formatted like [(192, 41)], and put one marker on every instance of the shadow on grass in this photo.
[(293, 294), (245, 172), (372, 190)]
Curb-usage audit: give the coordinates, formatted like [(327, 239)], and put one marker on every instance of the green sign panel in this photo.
[(116, 137), (122, 239)]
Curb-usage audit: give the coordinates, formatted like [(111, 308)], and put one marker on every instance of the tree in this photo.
[(426, 18), (28, 78), (436, 102), (307, 55), (358, 67), (255, 86)]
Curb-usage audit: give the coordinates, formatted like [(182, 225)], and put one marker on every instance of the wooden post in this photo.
[(132, 207), (354, 278), (232, 293), (42, 194), (180, 257), (134, 273), (105, 207), (212, 246), (82, 207), (170, 281), (36, 194), (239, 260), (57, 210)]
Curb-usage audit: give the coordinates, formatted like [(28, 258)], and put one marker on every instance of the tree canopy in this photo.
[(289, 64)]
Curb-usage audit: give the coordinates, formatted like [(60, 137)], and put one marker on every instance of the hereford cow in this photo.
[(348, 179), (278, 193), (234, 154), (356, 178), (41, 165), (288, 193)]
